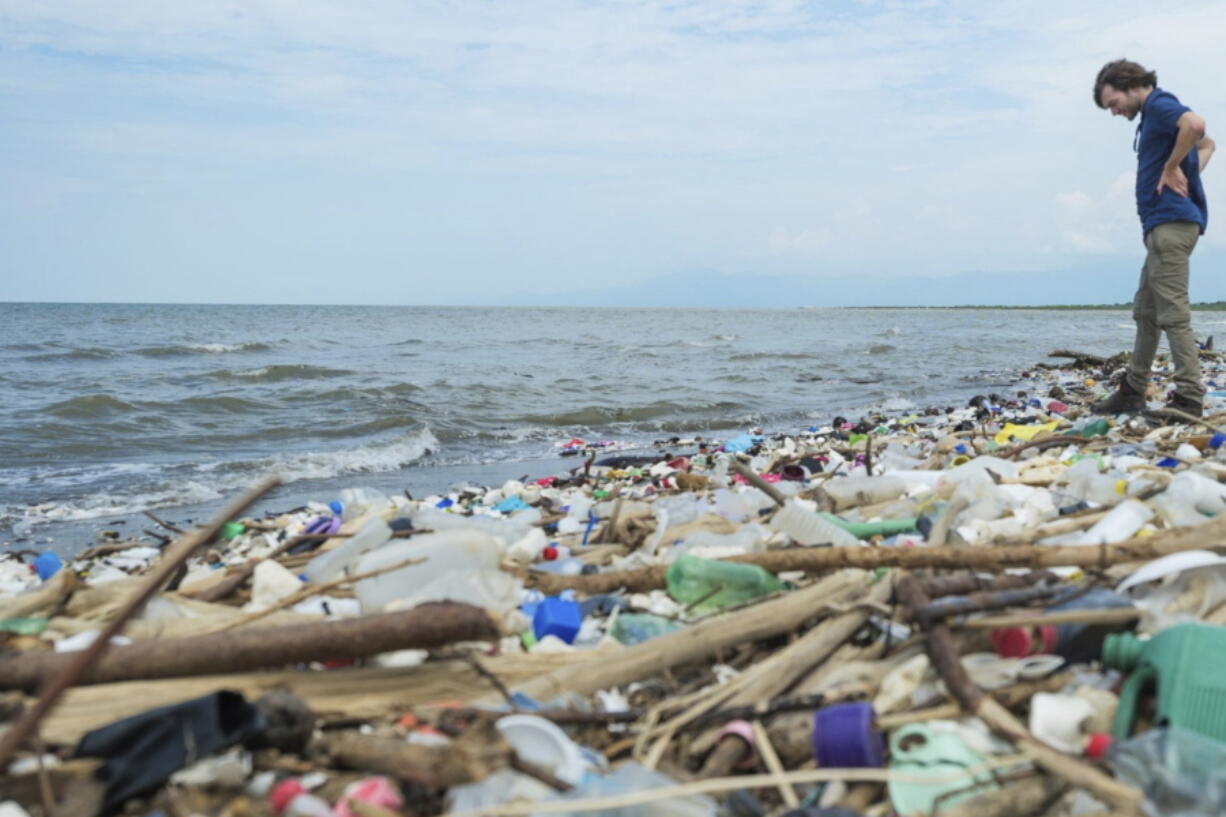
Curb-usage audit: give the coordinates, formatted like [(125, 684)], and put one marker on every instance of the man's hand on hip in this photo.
[(1173, 178)]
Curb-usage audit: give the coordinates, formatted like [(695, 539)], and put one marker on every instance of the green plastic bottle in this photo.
[(1185, 667), (705, 585)]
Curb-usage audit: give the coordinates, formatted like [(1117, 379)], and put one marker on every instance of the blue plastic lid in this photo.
[(557, 617), (47, 565), (337, 507), (844, 737), (1217, 439)]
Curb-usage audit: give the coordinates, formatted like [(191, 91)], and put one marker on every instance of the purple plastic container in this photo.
[(844, 737)]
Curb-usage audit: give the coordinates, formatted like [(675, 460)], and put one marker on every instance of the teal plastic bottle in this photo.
[(710, 585), (1184, 666)]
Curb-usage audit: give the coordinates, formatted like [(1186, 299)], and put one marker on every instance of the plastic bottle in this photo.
[(356, 502), (806, 527), (290, 799), (1185, 665), (328, 565), (1122, 522), (1204, 494), (746, 539), (710, 585), (441, 553), (867, 530), (635, 628), (1075, 642), (1084, 483), (850, 492), (1181, 772), (509, 530)]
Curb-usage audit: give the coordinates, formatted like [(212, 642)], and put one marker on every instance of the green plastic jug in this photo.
[(1185, 666), (707, 585)]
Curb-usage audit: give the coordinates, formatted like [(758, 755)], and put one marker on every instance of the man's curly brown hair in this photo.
[(1122, 75)]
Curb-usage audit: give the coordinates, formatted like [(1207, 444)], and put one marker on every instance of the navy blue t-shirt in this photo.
[(1155, 140)]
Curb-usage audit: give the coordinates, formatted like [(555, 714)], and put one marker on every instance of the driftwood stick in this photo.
[(164, 524), (432, 624), (66, 672), (756, 481), (971, 583), (1111, 616), (935, 611), (1208, 535), (474, 755), (770, 757)]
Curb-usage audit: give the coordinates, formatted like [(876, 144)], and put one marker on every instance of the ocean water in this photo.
[(109, 410)]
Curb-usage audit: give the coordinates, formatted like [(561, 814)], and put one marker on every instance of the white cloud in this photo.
[(889, 136)]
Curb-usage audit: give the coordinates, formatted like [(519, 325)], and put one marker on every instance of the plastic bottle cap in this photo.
[(1018, 642), (283, 794), (844, 737), (336, 506), (549, 553), (1098, 745)]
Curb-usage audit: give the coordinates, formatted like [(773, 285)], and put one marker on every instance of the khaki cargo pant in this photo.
[(1161, 305)]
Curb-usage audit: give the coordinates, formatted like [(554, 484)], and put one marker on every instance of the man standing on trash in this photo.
[(1172, 151)]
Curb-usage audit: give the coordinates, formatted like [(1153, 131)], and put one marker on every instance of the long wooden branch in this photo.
[(433, 624), (1212, 534)]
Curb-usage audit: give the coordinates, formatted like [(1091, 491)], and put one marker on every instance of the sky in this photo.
[(373, 151)]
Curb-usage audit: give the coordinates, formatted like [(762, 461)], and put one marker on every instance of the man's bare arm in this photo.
[(1191, 130), (1204, 151)]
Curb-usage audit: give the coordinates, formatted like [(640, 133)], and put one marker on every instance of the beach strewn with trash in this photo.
[(1010, 606)]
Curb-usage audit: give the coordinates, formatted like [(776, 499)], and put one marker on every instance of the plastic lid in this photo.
[(284, 793), (1019, 642), (336, 506), (1097, 745), (1011, 642), (844, 737)]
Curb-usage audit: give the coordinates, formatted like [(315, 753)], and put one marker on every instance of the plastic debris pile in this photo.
[(1012, 607)]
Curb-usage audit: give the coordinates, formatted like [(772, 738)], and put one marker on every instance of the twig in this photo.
[(1117, 615), (756, 481), (165, 525), (312, 590), (485, 673), (174, 558), (1183, 415), (715, 785), (771, 758)]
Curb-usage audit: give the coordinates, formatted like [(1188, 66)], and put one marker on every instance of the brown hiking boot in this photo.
[(1187, 405), (1126, 400)]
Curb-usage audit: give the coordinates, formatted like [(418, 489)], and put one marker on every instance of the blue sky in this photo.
[(373, 151)]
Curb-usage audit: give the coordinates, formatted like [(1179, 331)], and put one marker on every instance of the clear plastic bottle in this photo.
[(850, 492), (328, 565), (806, 527), (470, 552), (356, 502)]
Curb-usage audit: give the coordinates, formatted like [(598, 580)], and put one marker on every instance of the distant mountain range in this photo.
[(1106, 283)]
